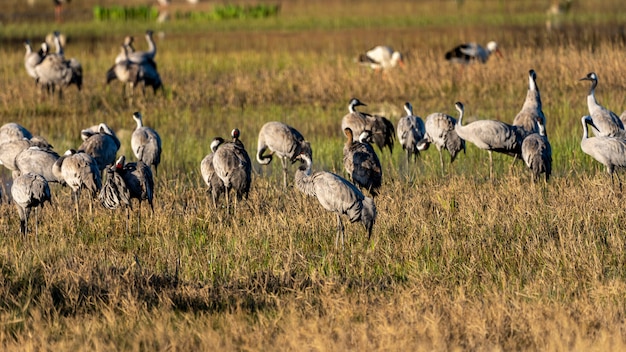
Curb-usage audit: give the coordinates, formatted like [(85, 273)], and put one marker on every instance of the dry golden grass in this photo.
[(455, 263)]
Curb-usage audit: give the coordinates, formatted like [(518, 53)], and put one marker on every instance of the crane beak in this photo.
[(585, 79)]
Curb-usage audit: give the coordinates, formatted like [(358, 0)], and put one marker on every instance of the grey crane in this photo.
[(12, 131), (337, 195), (609, 151), (126, 71), (10, 150), (233, 166), (284, 141), (537, 152), (440, 131), (215, 184), (606, 121), (79, 171), (381, 57), (410, 130), (127, 48), (56, 71), (531, 114), (472, 52), (143, 56), (101, 145), (146, 143), (383, 132), (38, 161), (491, 135), (126, 181), (29, 191), (361, 162), (33, 58)]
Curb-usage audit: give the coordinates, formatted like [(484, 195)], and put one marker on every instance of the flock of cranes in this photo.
[(228, 168)]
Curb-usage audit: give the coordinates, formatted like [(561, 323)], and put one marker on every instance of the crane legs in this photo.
[(283, 160), (443, 172), (340, 230)]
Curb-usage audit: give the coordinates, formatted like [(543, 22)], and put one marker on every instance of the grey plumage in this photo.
[(214, 183), (146, 143), (361, 162), (29, 191), (410, 130), (492, 136), (284, 141), (79, 171), (125, 71), (607, 122), (38, 161), (233, 166), (101, 145), (33, 58), (609, 151), (126, 181), (11, 149), (531, 114), (440, 131), (383, 132), (337, 195), (55, 71), (141, 57), (537, 152), (127, 48), (12, 131)]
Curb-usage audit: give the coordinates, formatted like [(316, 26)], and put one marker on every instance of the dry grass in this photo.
[(455, 263)]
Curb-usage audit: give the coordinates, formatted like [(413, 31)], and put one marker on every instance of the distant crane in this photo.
[(29, 191), (127, 72), (410, 130), (33, 58), (537, 152), (383, 132), (127, 48), (284, 141), (215, 184), (491, 135), (606, 122), (362, 163), (337, 195), (440, 131), (78, 170), (126, 181), (57, 72), (472, 52), (233, 166), (381, 57), (531, 115), (146, 143), (101, 145), (609, 151)]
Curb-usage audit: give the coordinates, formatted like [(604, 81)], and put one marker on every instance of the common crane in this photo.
[(410, 130), (29, 191), (383, 132), (361, 162)]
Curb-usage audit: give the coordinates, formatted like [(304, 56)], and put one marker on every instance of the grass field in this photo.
[(456, 262)]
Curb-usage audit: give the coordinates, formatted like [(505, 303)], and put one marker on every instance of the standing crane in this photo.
[(472, 52), (337, 195), (146, 143), (101, 145), (56, 71), (284, 141), (531, 116), (29, 191), (440, 131), (215, 184), (606, 121), (382, 129), (361, 162), (127, 48), (33, 58), (233, 166), (410, 130), (127, 72), (126, 181), (79, 170), (381, 57), (491, 135), (609, 151), (537, 152)]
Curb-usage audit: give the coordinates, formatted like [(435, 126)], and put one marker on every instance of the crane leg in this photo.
[(139, 220), (443, 172), (340, 230), (227, 201), (490, 165), (76, 196), (283, 160)]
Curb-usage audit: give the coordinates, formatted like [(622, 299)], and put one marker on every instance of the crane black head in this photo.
[(354, 102), (532, 74), (591, 76), (235, 134)]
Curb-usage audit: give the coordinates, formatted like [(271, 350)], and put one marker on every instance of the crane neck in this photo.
[(151, 44), (592, 90), (57, 42), (585, 130)]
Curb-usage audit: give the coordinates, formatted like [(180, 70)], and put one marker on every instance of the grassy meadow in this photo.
[(456, 262)]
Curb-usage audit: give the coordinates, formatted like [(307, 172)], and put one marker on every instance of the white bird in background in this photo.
[(284, 141), (381, 57), (29, 191), (606, 122), (336, 194), (609, 151), (472, 52), (410, 130)]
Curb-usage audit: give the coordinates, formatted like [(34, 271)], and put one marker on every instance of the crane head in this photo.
[(354, 102), (119, 164), (408, 108), (235, 133), (591, 76)]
